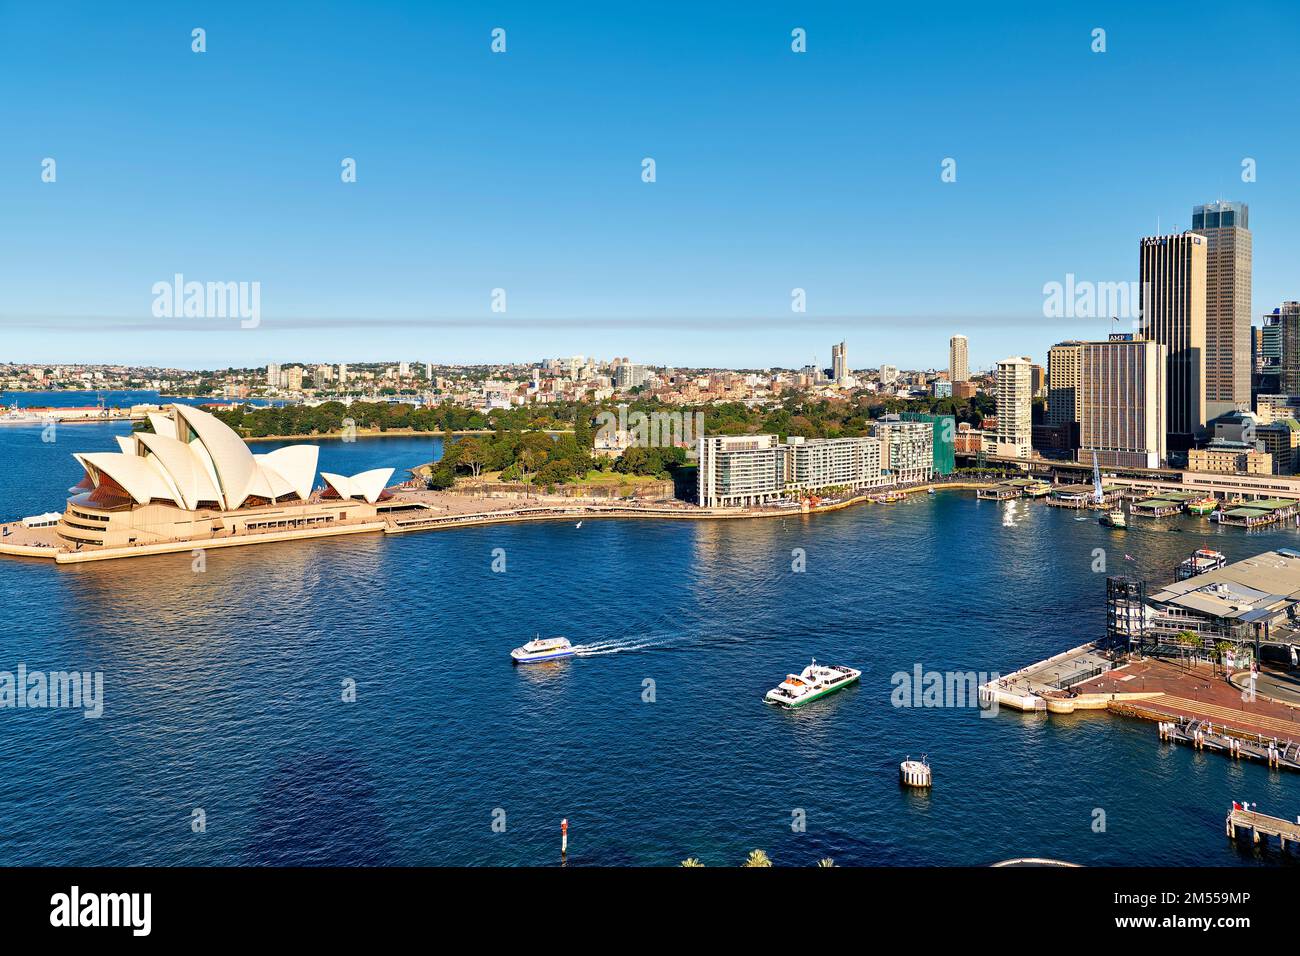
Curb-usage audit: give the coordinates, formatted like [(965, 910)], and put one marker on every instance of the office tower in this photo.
[(1121, 402), (1063, 383), (1172, 270), (1037, 379), (958, 359), (839, 362), (1288, 320), (1015, 403), (1226, 228), (273, 375)]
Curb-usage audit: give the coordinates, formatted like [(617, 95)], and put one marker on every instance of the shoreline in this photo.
[(563, 509)]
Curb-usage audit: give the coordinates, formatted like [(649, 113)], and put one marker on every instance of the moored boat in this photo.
[(542, 649), (816, 681), (1036, 489), (1203, 506)]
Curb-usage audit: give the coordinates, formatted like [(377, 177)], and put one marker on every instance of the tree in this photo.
[(757, 858), (826, 863), (528, 461), (691, 861), (473, 456)]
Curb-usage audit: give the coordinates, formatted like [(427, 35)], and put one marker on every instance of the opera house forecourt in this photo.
[(192, 482)]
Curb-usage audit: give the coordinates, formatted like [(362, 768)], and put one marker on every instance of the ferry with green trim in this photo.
[(817, 680)]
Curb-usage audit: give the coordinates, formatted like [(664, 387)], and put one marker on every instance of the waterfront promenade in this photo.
[(410, 508)]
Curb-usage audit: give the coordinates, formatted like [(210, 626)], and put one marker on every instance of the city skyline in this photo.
[(522, 171)]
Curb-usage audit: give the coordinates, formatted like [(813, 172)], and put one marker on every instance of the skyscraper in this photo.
[(1172, 270), (1121, 401), (839, 362), (1226, 227), (1288, 320), (1015, 401), (1063, 383), (958, 360)]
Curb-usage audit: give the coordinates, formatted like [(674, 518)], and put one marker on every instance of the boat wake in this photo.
[(598, 648)]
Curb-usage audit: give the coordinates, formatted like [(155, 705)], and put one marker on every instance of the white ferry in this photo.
[(542, 649), (817, 680)]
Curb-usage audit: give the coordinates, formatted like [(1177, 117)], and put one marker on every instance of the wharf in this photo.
[(1204, 735), (1261, 825)]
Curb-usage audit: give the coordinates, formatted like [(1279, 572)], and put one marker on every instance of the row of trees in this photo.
[(796, 415)]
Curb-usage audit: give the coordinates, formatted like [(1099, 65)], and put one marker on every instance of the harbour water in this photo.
[(224, 691)]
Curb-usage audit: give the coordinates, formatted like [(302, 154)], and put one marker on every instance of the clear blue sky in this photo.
[(523, 171)]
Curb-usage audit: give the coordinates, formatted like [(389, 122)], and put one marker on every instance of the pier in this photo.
[(1202, 734), (1261, 825)]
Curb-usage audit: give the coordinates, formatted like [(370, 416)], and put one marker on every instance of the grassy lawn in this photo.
[(612, 478)]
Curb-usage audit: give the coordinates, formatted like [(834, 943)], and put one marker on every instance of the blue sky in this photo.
[(522, 171)]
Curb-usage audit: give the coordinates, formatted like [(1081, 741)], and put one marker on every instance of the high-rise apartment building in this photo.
[(273, 375), (958, 359), (343, 373), (1063, 383), (1226, 227), (1121, 402), (749, 470), (906, 449), (1172, 272), (839, 362), (740, 470), (1015, 406)]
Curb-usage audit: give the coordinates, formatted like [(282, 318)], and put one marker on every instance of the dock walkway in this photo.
[(1262, 825)]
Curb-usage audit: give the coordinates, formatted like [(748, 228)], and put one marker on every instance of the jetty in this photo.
[(1261, 825), (1202, 734), (1264, 511), (1163, 505)]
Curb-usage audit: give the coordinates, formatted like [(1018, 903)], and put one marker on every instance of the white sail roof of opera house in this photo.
[(194, 460), (368, 484)]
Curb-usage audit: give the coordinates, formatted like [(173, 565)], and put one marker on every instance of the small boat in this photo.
[(894, 496), (1080, 517), (817, 680), (542, 649), (1203, 506), (930, 491), (1113, 519), (1201, 561), (578, 525)]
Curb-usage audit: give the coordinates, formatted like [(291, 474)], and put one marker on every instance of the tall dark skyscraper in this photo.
[(1226, 226), (1173, 313)]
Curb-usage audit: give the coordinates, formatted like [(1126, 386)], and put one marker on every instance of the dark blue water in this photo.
[(223, 691)]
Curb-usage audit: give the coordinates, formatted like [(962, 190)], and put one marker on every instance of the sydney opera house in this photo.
[(191, 481)]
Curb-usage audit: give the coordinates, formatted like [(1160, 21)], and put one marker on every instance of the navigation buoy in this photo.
[(915, 773)]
